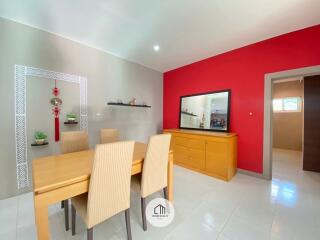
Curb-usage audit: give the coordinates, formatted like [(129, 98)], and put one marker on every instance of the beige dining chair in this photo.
[(154, 171), (109, 135), (72, 142), (109, 187)]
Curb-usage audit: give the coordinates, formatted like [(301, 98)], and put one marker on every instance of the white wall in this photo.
[(109, 78)]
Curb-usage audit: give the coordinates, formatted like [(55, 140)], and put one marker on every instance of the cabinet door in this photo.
[(180, 154), (216, 158), (196, 158)]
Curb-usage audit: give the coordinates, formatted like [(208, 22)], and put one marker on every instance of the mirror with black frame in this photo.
[(206, 111)]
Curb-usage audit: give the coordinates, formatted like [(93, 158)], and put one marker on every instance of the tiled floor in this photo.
[(206, 208)]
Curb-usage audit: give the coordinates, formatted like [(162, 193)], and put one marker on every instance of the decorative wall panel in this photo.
[(21, 74)]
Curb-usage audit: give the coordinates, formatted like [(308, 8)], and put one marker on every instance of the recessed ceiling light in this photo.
[(156, 48)]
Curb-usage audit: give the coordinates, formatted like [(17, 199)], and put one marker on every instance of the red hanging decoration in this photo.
[(56, 103), (56, 129), (55, 91)]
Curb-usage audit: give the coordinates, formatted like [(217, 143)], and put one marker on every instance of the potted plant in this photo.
[(71, 117), (40, 137)]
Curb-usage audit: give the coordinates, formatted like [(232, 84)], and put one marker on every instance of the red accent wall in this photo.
[(242, 70)]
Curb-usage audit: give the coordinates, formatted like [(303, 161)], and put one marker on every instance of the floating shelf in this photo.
[(189, 114), (36, 144), (128, 105), (70, 122)]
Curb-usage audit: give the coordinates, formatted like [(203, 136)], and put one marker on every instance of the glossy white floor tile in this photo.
[(288, 207), (8, 218)]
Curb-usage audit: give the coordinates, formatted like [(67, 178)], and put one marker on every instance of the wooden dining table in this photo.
[(60, 177)]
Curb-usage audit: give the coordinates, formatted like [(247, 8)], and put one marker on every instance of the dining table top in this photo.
[(56, 171)]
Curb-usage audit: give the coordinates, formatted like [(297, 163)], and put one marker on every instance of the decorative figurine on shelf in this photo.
[(56, 103), (71, 117), (40, 137), (133, 101), (202, 122)]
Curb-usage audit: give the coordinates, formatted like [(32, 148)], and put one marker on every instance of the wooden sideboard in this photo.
[(211, 153)]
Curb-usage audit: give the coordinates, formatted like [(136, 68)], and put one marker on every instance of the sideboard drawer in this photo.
[(182, 141)]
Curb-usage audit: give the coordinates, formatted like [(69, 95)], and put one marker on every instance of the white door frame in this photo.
[(267, 123)]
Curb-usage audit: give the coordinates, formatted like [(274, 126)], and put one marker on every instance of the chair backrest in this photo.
[(109, 189), (155, 164), (109, 135), (74, 142)]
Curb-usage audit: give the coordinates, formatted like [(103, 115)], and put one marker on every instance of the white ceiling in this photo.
[(186, 30)]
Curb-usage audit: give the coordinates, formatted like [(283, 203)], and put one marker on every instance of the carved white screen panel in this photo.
[(21, 74)]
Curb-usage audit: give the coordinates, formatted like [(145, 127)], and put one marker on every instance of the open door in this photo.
[(311, 151)]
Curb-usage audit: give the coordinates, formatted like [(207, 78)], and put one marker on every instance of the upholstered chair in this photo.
[(109, 135), (154, 171), (109, 187), (72, 142)]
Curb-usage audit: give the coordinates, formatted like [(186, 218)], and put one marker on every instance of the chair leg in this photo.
[(143, 213), (165, 195), (90, 234), (73, 220), (62, 204), (128, 224), (66, 214)]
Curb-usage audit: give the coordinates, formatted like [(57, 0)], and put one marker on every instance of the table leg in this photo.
[(42, 222), (170, 178)]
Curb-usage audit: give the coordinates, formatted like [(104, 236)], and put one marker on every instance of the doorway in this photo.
[(268, 114), (287, 126)]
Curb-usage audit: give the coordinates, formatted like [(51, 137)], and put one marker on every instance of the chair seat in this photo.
[(80, 204), (136, 183)]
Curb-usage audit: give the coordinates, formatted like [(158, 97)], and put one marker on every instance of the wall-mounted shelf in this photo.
[(70, 122), (189, 114), (36, 144), (128, 105)]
